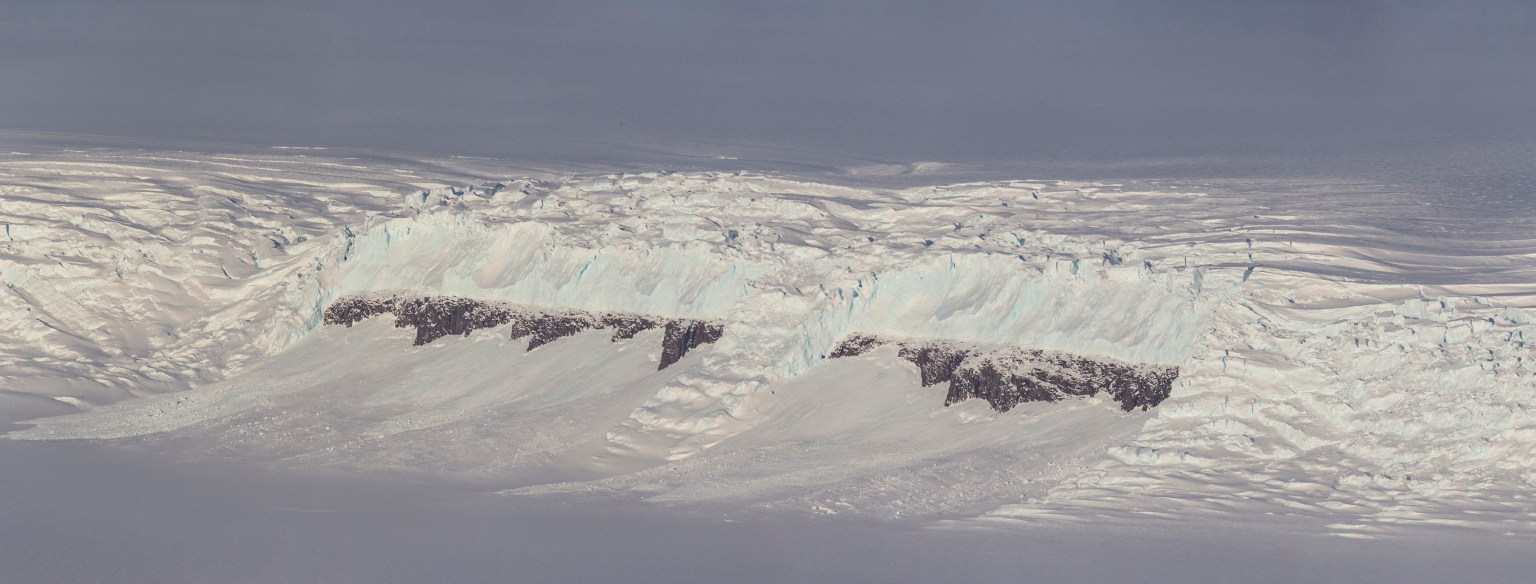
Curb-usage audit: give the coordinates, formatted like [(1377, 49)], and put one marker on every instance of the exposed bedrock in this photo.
[(1008, 376), (435, 317), (685, 335)]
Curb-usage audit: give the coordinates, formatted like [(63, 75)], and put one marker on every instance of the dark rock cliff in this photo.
[(685, 335), (438, 317), (435, 317), (1006, 377)]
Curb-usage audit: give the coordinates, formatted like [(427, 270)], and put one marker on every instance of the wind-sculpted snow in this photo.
[(1008, 376), (1336, 355), (435, 317)]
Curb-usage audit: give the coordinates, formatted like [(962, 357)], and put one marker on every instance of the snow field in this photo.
[(1333, 362)]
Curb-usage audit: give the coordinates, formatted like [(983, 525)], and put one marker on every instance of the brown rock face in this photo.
[(627, 326), (854, 345), (543, 329), (350, 311), (685, 335), (432, 317), (438, 317), (1006, 377), (935, 363), (435, 317)]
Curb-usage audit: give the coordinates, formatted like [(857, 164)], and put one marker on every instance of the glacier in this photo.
[(1336, 361)]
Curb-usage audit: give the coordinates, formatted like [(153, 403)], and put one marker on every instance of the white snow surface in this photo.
[(1342, 358)]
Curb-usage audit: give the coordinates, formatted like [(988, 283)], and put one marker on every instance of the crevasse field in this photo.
[(1354, 399)]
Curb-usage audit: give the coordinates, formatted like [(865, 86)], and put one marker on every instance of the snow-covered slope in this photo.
[(1336, 356)]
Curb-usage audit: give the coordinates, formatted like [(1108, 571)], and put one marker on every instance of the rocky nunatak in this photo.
[(435, 317), (1008, 376)]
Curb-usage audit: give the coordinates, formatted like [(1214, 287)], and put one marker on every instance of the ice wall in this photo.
[(527, 263), (1123, 312)]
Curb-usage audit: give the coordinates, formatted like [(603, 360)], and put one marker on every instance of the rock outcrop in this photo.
[(1008, 376), (435, 317), (685, 335)]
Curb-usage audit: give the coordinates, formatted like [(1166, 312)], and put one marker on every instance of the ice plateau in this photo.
[(1334, 359)]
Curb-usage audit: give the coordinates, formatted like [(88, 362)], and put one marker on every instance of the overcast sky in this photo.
[(886, 81)]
